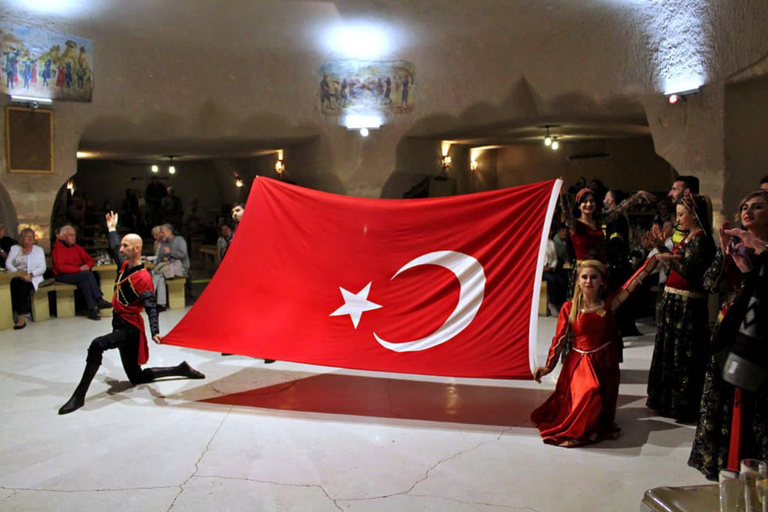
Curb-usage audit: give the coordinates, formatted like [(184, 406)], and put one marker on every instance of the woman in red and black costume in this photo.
[(586, 230), (582, 408), (681, 352), (134, 291)]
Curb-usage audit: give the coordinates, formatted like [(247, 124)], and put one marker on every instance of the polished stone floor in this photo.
[(288, 436)]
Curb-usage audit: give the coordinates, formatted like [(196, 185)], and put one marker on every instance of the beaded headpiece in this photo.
[(691, 203)]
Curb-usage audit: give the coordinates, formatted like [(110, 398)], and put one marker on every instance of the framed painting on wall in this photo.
[(29, 140)]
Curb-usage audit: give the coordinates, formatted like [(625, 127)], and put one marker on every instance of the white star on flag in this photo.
[(355, 304)]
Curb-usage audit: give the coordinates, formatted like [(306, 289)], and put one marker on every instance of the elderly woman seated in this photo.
[(28, 258)]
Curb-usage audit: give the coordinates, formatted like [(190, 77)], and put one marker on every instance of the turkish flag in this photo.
[(446, 286)]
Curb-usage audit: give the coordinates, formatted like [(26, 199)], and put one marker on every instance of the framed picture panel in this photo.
[(29, 140)]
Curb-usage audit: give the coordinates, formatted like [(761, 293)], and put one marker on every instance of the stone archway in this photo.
[(8, 213)]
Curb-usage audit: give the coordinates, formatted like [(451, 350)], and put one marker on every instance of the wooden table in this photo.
[(208, 253), (6, 307)]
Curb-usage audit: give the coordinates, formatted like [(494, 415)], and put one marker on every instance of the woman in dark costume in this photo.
[(733, 422), (681, 352)]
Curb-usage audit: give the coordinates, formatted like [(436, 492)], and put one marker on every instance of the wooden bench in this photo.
[(176, 297), (208, 253), (65, 301)]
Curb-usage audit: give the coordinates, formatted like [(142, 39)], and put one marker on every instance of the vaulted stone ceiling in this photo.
[(492, 70)]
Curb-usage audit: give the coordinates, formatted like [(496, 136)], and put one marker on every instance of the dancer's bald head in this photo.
[(130, 248)]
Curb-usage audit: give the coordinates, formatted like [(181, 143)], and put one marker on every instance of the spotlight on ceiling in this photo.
[(680, 96)]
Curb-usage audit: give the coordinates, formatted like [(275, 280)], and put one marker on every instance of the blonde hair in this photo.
[(747, 198), (578, 295)]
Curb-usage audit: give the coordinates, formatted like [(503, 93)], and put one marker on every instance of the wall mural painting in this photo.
[(358, 86), (42, 64)]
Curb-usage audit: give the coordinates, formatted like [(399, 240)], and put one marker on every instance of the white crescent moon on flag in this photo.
[(471, 278)]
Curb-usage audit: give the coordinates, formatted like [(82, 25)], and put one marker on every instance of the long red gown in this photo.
[(583, 406)]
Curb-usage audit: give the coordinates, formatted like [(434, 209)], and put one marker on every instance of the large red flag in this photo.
[(445, 286)]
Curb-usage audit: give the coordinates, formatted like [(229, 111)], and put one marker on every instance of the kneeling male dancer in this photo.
[(133, 291)]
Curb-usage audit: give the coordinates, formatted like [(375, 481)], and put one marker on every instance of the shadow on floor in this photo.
[(641, 426), (390, 398), (634, 376)]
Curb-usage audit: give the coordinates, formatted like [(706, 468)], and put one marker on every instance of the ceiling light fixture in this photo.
[(555, 145), (548, 138), (171, 167)]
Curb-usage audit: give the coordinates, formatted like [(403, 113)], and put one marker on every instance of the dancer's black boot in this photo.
[(78, 397), (182, 370)]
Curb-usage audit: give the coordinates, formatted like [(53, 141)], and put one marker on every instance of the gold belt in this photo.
[(685, 293), (601, 347)]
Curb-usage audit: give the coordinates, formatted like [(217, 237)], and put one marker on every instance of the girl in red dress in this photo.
[(582, 408)]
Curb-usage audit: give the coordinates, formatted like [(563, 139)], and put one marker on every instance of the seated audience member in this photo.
[(222, 244), (172, 203), (552, 278), (29, 258), (157, 236), (6, 242), (663, 212), (129, 210), (562, 245), (764, 184), (172, 260), (565, 259), (143, 226), (72, 265)]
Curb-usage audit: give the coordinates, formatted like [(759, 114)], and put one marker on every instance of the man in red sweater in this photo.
[(72, 265)]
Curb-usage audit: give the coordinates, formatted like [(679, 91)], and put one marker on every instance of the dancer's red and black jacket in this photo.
[(134, 291)]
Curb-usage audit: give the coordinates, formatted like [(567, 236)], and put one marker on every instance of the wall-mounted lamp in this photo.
[(364, 123), (445, 165), (31, 101), (238, 182), (680, 96), (279, 167), (473, 165), (71, 186)]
